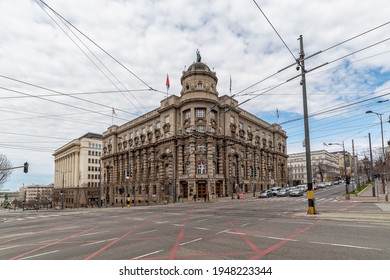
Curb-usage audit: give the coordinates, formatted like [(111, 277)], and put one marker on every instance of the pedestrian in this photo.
[(195, 197), (205, 197)]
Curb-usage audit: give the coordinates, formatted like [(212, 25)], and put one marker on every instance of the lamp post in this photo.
[(345, 167), (383, 152)]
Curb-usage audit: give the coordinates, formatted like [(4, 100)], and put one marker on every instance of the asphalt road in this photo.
[(276, 228)]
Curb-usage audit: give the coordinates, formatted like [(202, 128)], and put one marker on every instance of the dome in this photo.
[(198, 66)]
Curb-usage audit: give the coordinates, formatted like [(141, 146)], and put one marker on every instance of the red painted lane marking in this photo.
[(107, 246), (118, 239), (176, 247), (53, 243), (281, 243), (246, 239)]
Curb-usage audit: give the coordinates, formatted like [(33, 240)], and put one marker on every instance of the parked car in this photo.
[(328, 184), (303, 187), (275, 190), (296, 192), (321, 185), (265, 194), (283, 192)]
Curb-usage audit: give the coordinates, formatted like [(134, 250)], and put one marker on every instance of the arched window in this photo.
[(201, 167)]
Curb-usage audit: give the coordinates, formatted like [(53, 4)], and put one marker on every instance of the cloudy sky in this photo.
[(65, 65)]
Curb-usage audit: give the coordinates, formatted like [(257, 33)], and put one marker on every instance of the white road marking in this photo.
[(201, 228), (244, 225), (153, 253), (97, 242), (345, 245), (147, 231), (185, 243), (43, 254), (93, 233), (6, 248)]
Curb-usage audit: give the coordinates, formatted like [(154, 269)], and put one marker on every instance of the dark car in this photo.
[(265, 194)]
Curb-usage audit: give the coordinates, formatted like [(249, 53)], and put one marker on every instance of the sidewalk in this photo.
[(367, 196)]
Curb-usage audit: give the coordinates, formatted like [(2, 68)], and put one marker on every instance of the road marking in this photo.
[(153, 253), (157, 222), (93, 233), (226, 230), (147, 231), (47, 253), (244, 225), (348, 246), (177, 225), (6, 248), (201, 221), (17, 235), (185, 243), (97, 242), (276, 238), (48, 241), (201, 228)]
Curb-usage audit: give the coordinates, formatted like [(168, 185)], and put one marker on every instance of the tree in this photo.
[(5, 169)]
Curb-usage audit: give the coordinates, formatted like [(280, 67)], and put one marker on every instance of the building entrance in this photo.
[(218, 189), (201, 191)]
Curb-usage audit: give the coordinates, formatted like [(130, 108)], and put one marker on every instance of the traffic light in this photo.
[(128, 200), (25, 167)]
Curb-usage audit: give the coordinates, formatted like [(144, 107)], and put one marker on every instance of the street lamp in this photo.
[(345, 167), (383, 152)]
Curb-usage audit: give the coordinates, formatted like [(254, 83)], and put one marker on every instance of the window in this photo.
[(188, 168), (167, 119), (240, 126), (201, 167), (187, 114), (200, 113), (232, 120), (212, 115)]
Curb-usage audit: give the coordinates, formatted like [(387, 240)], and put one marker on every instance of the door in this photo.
[(201, 190)]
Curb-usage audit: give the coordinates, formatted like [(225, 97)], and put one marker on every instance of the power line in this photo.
[(93, 62), (93, 42), (61, 103), (58, 92), (277, 33)]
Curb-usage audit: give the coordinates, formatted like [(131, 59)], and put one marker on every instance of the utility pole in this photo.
[(310, 194)]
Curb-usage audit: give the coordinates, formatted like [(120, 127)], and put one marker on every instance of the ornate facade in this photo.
[(194, 145)]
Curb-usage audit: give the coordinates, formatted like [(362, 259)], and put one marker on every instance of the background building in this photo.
[(325, 167), (77, 171), (196, 144), (36, 196)]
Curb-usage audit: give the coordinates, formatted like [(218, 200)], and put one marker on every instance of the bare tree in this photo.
[(5, 169)]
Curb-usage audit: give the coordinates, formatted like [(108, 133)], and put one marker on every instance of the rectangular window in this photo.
[(232, 120), (200, 113), (187, 114), (212, 115)]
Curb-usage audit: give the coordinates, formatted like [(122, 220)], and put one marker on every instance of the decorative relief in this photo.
[(233, 127), (166, 127)]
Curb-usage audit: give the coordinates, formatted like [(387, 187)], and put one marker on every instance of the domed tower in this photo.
[(199, 82)]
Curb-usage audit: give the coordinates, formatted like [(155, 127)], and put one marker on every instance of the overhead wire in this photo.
[(90, 59)]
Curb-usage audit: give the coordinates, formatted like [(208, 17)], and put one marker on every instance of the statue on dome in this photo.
[(198, 57)]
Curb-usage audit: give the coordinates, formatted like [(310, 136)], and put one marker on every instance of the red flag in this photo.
[(167, 82)]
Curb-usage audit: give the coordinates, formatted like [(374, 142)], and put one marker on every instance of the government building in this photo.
[(198, 145), (77, 172)]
